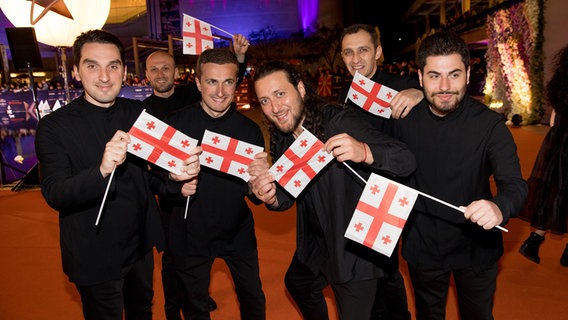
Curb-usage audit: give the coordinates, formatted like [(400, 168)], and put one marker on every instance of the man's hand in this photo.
[(261, 182), (190, 167), (483, 212), (344, 147), (189, 188), (240, 46), (404, 101), (115, 153)]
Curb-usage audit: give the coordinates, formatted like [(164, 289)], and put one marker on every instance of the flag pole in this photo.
[(105, 196), (186, 207), (230, 34), (425, 195)]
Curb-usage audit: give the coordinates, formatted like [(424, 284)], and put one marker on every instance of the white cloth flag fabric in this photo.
[(371, 96), (381, 214), (227, 155), (300, 163), (155, 141), (196, 34)]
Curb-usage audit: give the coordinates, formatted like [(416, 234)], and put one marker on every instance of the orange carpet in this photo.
[(33, 285)]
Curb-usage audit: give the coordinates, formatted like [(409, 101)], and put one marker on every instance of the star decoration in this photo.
[(57, 6)]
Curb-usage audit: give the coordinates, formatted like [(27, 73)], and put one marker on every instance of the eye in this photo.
[(363, 50), (348, 52), (263, 101), (230, 82), (280, 94)]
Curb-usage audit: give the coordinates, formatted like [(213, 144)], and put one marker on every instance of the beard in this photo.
[(443, 107)]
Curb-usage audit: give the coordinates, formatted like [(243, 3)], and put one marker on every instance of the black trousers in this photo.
[(354, 299), (194, 273), (391, 302), (475, 292), (132, 294), (172, 289)]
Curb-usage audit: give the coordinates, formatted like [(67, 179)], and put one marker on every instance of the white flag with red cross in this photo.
[(197, 36), (300, 163), (381, 214), (371, 96), (227, 154), (155, 141)]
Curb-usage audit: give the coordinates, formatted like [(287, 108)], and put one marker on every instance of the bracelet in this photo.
[(365, 150)]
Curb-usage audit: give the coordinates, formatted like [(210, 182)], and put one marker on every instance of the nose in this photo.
[(444, 83), (104, 75)]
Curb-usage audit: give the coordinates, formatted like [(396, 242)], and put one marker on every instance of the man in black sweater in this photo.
[(360, 50), (459, 144), (324, 256), (161, 71), (81, 149), (219, 222)]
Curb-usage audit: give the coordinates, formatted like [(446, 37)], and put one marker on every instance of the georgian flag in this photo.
[(300, 163), (197, 35), (227, 155), (158, 143), (371, 96), (381, 214)]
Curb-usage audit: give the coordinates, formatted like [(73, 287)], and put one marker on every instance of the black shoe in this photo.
[(530, 247), (212, 304), (564, 257)]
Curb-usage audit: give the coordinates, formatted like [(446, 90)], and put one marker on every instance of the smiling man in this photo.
[(79, 146), (459, 143), (323, 255)]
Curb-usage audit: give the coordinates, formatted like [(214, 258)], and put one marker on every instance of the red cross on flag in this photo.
[(300, 163), (381, 214), (371, 96), (227, 155), (155, 141), (196, 34)]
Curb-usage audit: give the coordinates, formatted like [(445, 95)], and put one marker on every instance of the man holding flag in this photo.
[(459, 144), (323, 255), (360, 50), (162, 72), (219, 222), (82, 151)]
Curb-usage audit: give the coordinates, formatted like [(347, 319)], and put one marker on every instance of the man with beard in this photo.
[(459, 143), (323, 255)]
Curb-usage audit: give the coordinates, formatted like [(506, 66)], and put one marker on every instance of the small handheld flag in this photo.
[(300, 163), (371, 96), (227, 155), (155, 141), (196, 34), (381, 214)]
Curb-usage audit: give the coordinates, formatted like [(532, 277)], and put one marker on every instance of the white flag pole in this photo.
[(425, 195), (105, 196), (186, 207), (230, 34), (354, 172)]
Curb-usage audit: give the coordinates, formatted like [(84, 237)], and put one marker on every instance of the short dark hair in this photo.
[(442, 43), (352, 29), (216, 56), (97, 36)]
